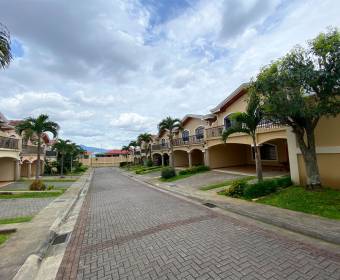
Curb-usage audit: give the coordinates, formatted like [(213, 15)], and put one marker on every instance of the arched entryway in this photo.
[(157, 159), (197, 157), (230, 154), (166, 159), (181, 158), (7, 169)]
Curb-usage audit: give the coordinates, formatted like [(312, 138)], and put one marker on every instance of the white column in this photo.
[(17, 170), (293, 156), (162, 159), (206, 157), (29, 172), (190, 159)]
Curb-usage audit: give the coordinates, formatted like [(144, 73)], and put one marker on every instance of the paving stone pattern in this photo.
[(10, 208), (128, 231)]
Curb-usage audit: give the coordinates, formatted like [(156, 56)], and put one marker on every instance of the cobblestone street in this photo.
[(128, 231)]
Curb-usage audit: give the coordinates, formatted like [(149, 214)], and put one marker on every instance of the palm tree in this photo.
[(126, 148), (134, 145), (146, 138), (74, 150), (33, 129), (170, 125), (62, 147), (5, 47), (247, 122)]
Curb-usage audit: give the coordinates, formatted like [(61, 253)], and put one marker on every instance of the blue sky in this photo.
[(109, 70)]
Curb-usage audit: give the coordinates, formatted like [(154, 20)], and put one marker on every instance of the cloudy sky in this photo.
[(107, 70)]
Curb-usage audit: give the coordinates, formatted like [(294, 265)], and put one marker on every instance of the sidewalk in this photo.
[(32, 236), (306, 224)]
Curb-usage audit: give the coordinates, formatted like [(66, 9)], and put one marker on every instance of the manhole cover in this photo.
[(60, 239), (210, 205)]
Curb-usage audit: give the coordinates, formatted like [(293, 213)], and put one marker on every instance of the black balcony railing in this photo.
[(191, 140), (51, 153), (9, 143), (159, 147), (31, 150)]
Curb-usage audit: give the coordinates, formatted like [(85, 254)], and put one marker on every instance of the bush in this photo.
[(149, 163), (50, 187), (194, 170), (168, 172), (266, 187), (80, 168), (37, 185), (236, 188), (123, 164)]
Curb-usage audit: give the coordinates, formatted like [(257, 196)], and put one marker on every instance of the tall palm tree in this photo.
[(126, 148), (62, 147), (33, 129), (247, 122), (74, 150), (146, 138), (134, 145), (5, 47), (170, 125)]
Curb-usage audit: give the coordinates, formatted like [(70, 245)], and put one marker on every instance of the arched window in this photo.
[(267, 152), (185, 135), (228, 122), (199, 132), (163, 142)]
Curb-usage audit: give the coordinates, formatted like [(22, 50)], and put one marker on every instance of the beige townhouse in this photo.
[(278, 147)]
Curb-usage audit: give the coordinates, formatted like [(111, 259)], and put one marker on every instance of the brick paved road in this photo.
[(10, 208), (129, 231)]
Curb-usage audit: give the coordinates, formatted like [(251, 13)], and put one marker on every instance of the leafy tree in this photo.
[(33, 129), (134, 145), (62, 147), (247, 122), (5, 47), (301, 88), (145, 138), (169, 125)]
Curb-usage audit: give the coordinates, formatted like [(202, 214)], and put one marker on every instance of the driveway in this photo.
[(129, 231)]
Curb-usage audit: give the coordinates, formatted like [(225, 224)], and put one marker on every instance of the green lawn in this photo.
[(325, 203), (180, 176), (3, 238), (32, 194), (16, 220), (146, 170), (224, 183)]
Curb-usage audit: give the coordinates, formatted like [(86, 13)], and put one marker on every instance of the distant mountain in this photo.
[(93, 149)]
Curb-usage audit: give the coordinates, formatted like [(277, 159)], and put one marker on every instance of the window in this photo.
[(185, 135), (199, 132), (267, 152), (228, 123), (163, 142)]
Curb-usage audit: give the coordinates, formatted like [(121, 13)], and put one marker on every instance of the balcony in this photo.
[(218, 130), (9, 143), (191, 140), (31, 150), (51, 153), (159, 147)]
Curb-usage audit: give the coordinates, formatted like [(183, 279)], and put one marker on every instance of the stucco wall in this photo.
[(105, 161), (239, 105), (7, 169), (197, 157), (329, 167), (227, 155), (327, 132), (181, 159), (191, 125)]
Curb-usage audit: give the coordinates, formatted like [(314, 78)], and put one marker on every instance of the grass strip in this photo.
[(3, 237), (181, 176), (15, 220), (31, 194), (325, 203), (224, 183)]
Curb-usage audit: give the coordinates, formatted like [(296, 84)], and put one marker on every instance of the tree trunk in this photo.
[(37, 165), (258, 162), (71, 163), (308, 151), (62, 166)]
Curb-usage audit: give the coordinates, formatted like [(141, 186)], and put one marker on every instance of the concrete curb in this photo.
[(31, 266), (297, 228)]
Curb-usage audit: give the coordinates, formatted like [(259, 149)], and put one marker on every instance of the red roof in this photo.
[(117, 152)]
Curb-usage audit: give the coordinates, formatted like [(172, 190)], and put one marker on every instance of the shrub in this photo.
[(149, 163), (50, 187), (168, 172), (194, 170), (37, 185), (80, 168), (266, 187), (236, 188), (123, 164)]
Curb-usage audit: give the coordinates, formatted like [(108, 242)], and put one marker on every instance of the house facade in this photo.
[(200, 142)]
